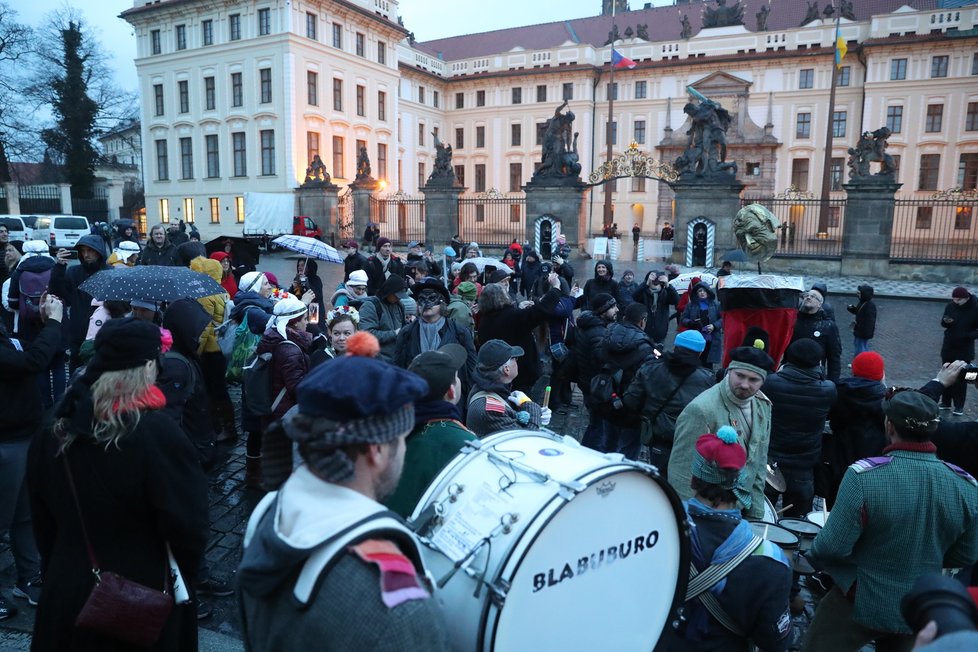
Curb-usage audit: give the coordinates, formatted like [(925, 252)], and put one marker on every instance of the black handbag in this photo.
[(118, 607)]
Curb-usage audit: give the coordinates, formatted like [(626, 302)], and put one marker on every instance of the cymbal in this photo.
[(776, 479)]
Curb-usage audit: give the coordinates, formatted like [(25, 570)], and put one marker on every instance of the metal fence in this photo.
[(95, 208), (399, 216), (803, 231), (40, 199), (492, 219), (935, 231)]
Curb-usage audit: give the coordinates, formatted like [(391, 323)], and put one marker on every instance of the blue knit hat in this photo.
[(691, 340)]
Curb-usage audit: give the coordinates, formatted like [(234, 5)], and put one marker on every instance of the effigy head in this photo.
[(755, 229)]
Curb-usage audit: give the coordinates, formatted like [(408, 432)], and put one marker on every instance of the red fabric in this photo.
[(151, 399), (726, 456), (683, 300), (778, 322), (868, 365), (912, 446), (227, 281)]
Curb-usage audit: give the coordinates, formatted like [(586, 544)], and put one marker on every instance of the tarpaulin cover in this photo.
[(769, 302)]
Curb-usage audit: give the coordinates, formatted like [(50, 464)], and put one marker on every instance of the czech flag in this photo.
[(618, 60), (840, 48)]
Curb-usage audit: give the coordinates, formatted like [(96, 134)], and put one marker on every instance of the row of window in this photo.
[(265, 94), (264, 29), (567, 93), (516, 134), (213, 205), (239, 156), (927, 179), (933, 121)]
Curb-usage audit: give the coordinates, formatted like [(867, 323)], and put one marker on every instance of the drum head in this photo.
[(600, 575), (800, 527), (770, 515), (775, 534)]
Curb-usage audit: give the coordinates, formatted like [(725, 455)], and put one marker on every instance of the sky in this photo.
[(428, 19)]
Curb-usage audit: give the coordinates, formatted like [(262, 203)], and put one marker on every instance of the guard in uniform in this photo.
[(897, 517), (325, 566)]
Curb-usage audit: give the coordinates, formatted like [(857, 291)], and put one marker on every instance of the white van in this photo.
[(16, 227), (61, 231)]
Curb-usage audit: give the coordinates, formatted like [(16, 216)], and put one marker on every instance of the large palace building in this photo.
[(239, 95)]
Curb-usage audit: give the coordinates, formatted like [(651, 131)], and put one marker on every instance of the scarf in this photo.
[(430, 335), (384, 265)]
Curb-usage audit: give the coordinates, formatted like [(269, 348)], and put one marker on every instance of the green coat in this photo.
[(706, 413), (430, 447), (896, 518)]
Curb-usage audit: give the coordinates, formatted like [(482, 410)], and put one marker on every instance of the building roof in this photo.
[(663, 24)]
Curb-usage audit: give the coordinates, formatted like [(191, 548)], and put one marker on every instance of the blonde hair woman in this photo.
[(139, 486)]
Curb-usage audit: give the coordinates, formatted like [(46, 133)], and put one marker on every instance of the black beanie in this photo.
[(125, 344), (806, 353), (602, 303)]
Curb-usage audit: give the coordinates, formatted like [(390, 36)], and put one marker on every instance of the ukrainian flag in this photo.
[(840, 47)]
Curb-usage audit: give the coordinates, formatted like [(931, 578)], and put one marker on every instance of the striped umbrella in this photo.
[(309, 247)]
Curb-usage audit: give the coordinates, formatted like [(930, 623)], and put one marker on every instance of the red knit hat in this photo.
[(868, 365), (960, 293), (722, 450)]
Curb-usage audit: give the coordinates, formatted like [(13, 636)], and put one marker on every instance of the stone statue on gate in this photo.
[(871, 148), (363, 166), (560, 160), (443, 173), (316, 174), (706, 149)]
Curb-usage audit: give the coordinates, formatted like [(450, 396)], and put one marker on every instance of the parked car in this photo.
[(61, 231), (17, 227)]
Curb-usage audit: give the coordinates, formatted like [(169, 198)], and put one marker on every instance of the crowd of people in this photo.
[(354, 398)]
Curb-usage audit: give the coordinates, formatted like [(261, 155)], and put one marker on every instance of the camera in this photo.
[(941, 599), (970, 373), (546, 268)]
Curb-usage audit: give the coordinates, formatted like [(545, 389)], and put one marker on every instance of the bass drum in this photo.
[(537, 543)]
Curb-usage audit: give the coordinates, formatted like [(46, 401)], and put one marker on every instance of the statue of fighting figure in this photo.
[(316, 172), (706, 148), (560, 158), (443, 174), (871, 148)]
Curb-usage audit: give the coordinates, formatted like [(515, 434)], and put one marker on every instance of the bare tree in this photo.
[(18, 139)]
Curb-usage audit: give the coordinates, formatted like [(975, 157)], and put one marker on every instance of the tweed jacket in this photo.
[(706, 413), (896, 518)]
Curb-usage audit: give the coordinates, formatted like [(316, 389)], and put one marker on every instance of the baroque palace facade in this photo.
[(239, 95)]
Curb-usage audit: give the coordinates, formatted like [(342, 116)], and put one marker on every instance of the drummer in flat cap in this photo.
[(742, 596), (736, 401), (494, 405), (325, 566), (897, 517)]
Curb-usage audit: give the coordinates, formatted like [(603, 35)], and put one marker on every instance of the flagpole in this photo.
[(824, 209), (608, 209)]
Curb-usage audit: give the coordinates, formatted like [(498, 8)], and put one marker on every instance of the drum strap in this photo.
[(701, 582)]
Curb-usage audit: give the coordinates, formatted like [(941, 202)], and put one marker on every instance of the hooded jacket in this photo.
[(960, 334), (801, 399), (598, 284), (213, 304), (865, 311), (64, 284), (625, 347), (345, 610), (659, 304), (383, 319), (857, 430), (228, 282), (408, 344), (253, 307), (694, 319), (353, 263), (531, 270), (35, 264), (314, 283), (590, 330)]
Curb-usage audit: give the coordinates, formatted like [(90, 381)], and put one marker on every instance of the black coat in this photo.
[(166, 255), (64, 284), (865, 312), (590, 331), (597, 285), (409, 346), (857, 431), (659, 304), (515, 326), (960, 334), (353, 263), (807, 325), (20, 396), (801, 399), (624, 347), (375, 272), (956, 441), (136, 498)]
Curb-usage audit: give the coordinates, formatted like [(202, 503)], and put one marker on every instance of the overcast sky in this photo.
[(428, 19)]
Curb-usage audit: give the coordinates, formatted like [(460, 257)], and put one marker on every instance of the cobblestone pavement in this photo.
[(908, 337)]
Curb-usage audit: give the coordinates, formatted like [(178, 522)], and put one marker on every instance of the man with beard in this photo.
[(159, 250), (324, 566), (736, 401), (813, 323), (662, 388), (65, 283), (432, 330), (382, 265)]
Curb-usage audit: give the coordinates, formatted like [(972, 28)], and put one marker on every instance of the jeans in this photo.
[(859, 345), (621, 439), (798, 493), (833, 630), (15, 512)]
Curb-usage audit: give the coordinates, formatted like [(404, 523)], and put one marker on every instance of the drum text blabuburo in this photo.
[(595, 560)]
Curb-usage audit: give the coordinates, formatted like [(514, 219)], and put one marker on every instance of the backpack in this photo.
[(32, 286), (242, 353), (258, 384), (606, 390)]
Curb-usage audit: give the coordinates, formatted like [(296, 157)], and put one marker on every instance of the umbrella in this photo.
[(681, 282), (482, 261), (150, 283), (736, 256), (310, 247), (244, 252)]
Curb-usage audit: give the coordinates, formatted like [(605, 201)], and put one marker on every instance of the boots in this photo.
[(253, 476), (225, 412)]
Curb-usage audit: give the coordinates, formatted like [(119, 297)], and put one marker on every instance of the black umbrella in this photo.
[(244, 252), (150, 283)]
